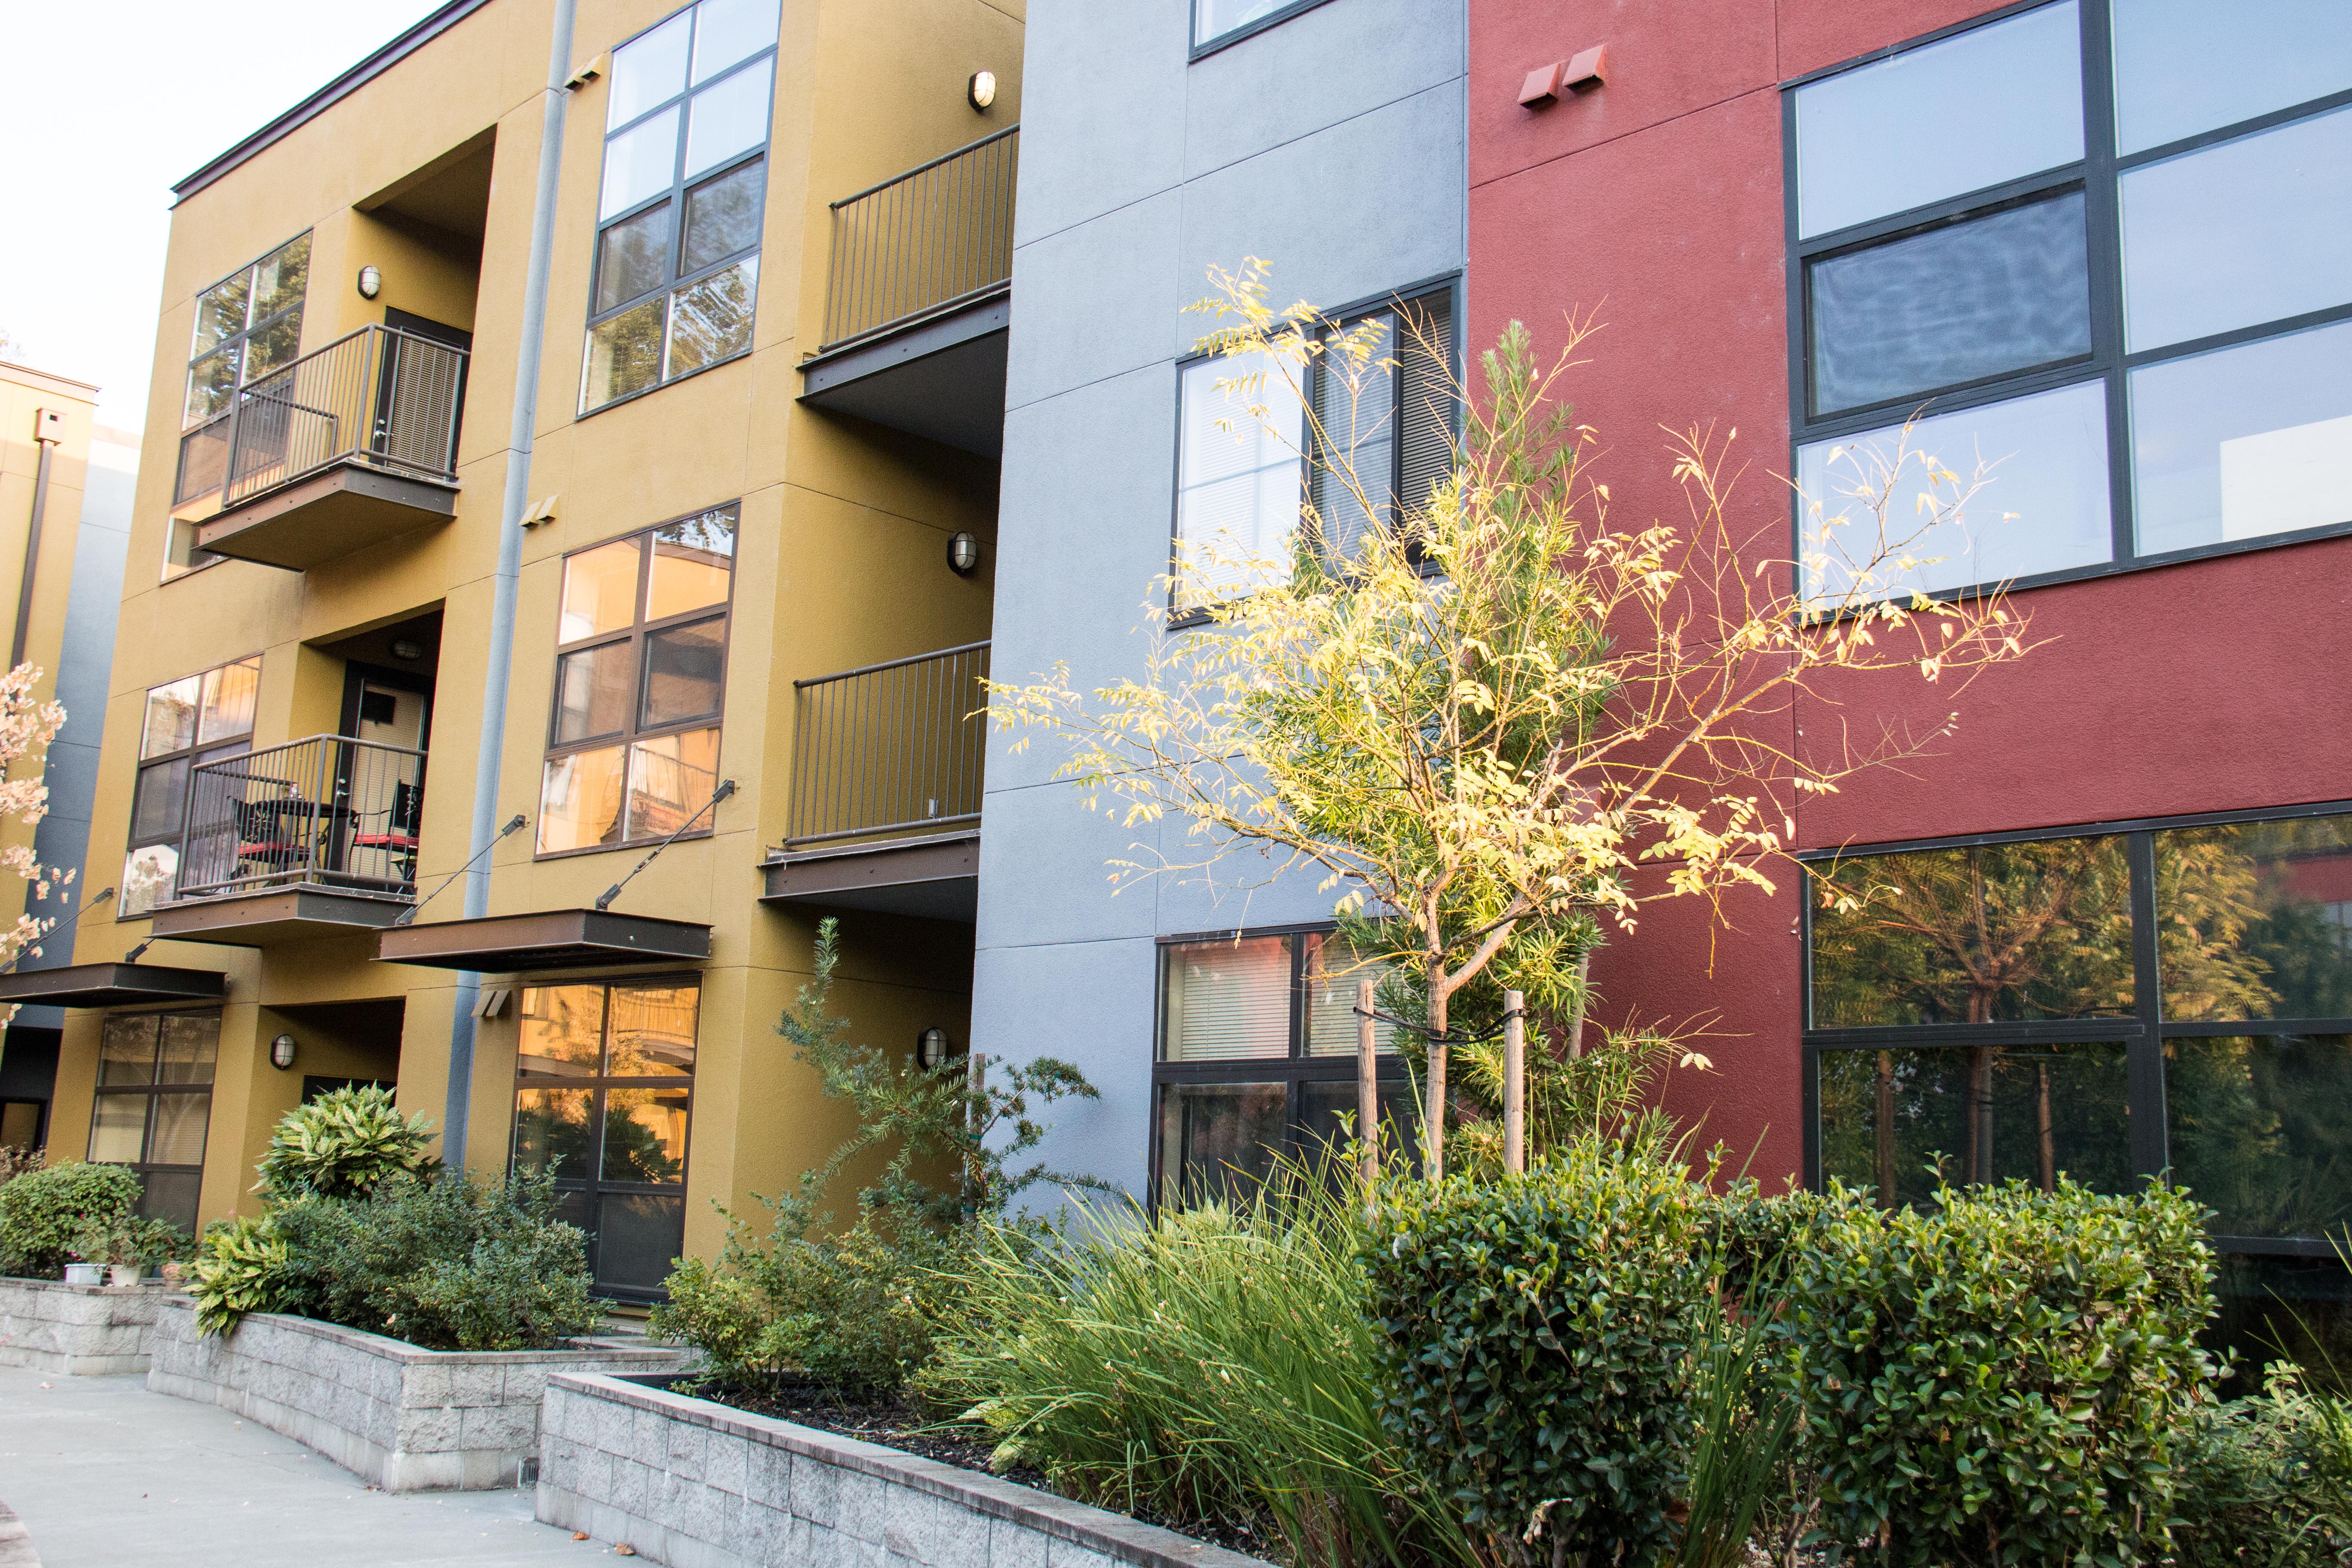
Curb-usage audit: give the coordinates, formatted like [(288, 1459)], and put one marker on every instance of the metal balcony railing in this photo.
[(930, 238), (890, 748), (329, 811), (378, 397)]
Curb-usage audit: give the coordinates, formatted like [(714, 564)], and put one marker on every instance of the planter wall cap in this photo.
[(1115, 1535)]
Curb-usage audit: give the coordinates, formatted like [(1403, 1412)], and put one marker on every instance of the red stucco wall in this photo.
[(1656, 201)]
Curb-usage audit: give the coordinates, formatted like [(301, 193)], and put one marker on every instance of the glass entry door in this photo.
[(603, 1095)]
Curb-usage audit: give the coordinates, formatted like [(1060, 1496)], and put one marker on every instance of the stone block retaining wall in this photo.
[(88, 1331), (692, 1484), (405, 1418)]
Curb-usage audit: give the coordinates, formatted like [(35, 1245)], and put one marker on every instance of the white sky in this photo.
[(103, 104)]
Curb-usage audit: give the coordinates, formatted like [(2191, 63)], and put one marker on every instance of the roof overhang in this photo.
[(112, 985), (936, 877), (552, 938), (940, 376), (273, 915)]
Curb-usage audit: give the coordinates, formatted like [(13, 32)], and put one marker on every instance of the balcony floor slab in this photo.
[(936, 877), (326, 516)]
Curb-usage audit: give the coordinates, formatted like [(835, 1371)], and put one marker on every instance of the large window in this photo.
[(677, 216), (640, 668), (154, 1100), (2100, 250), (1363, 442), (603, 1095), (248, 324), (1257, 1059), (196, 719), (2155, 997)]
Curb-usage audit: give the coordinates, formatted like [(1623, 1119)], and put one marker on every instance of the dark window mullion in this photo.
[(2145, 1059), (2270, 121), (2103, 215), (2023, 191), (2188, 348), (1982, 394)]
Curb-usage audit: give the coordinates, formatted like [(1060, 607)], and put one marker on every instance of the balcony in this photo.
[(886, 788), (917, 303), (340, 449), (317, 838)]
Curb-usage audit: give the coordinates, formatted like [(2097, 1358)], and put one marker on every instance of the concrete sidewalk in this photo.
[(103, 1472)]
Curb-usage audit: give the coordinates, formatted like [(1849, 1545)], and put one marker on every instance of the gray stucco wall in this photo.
[(1331, 146)]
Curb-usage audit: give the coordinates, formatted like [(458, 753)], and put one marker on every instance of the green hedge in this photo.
[(41, 1211), (1539, 1335), (2004, 1377)]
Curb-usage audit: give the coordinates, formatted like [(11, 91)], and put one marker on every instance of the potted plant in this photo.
[(122, 1244)]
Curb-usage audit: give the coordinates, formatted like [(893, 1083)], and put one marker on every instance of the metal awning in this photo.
[(552, 938), (112, 985), (936, 877), (274, 915)]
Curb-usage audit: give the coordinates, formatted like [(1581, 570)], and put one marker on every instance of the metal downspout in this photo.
[(48, 445), (502, 599)]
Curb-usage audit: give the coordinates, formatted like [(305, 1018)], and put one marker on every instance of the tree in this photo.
[(1478, 723), (27, 725)]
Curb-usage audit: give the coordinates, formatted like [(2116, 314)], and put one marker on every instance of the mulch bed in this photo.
[(895, 1423)]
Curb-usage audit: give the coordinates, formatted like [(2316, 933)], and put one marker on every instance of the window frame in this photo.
[(244, 334), (675, 193), (1202, 48), (149, 1092), (2099, 175), (593, 1188), (1294, 1070), (196, 752), (1448, 284), (2143, 1032), (635, 635)]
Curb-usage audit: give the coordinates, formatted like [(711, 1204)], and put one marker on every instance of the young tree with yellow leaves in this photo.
[(1478, 722)]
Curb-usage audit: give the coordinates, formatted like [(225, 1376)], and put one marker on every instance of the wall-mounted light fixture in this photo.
[(982, 89), (371, 282), (408, 650), (963, 555), (932, 1047), (281, 1052)]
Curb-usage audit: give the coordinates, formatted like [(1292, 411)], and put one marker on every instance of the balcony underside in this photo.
[(274, 915), (112, 985), (550, 938), (940, 376), (327, 515), (935, 877)]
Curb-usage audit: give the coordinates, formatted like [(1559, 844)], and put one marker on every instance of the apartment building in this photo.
[(65, 519), (560, 574), (2094, 245)]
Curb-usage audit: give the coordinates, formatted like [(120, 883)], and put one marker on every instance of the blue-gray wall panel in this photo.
[(1078, 1001), (1109, 283), (1097, 99)]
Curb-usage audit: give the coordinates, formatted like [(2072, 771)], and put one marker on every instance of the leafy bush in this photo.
[(241, 1267), (450, 1262), (2267, 1480), (2003, 1378), (1537, 1335), (124, 1239), (341, 1145), (41, 1211), (1215, 1363), (855, 1312)]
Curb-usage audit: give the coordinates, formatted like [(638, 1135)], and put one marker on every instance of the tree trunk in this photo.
[(1976, 1167), (1885, 1130), (1576, 1018), (1432, 1132), (2049, 1172)]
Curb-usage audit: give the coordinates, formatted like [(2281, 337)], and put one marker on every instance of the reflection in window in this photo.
[(154, 1103), (1895, 1119), (2259, 1130), (2242, 442), (616, 1124), (184, 723), (248, 325), (640, 669), (674, 293), (1218, 1140), (2251, 920), (1973, 935), (2177, 74)]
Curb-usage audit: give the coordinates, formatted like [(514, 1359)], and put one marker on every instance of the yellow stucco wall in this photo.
[(840, 557)]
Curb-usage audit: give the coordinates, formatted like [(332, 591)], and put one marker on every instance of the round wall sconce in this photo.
[(932, 1047), (281, 1052), (963, 555), (371, 282), (982, 89), (408, 650)]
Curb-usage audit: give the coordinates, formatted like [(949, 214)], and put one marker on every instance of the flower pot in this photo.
[(85, 1273), (125, 1273)]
